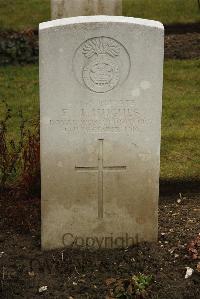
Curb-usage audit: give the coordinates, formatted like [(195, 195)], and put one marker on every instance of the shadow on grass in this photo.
[(176, 186)]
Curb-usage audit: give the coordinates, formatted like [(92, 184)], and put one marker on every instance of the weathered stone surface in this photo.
[(101, 99), (73, 8)]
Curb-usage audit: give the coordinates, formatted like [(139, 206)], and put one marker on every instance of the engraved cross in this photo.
[(100, 170)]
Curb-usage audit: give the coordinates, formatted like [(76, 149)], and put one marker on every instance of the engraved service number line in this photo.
[(100, 170)]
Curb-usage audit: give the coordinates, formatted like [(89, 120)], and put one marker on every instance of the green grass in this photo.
[(19, 88), (24, 14), (180, 153), (165, 11)]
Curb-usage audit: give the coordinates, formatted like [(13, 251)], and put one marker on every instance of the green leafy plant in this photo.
[(18, 47), (141, 283), (134, 287)]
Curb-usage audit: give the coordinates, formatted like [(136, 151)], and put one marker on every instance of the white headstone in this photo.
[(73, 8), (101, 98)]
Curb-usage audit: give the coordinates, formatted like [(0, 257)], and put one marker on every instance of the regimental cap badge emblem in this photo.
[(101, 72), (102, 64)]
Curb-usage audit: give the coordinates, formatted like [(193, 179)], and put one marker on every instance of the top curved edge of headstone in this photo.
[(100, 19)]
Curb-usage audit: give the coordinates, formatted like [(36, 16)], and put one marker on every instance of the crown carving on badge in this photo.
[(98, 46)]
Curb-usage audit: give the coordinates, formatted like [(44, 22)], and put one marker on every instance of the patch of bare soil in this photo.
[(182, 28), (182, 46), (77, 273)]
